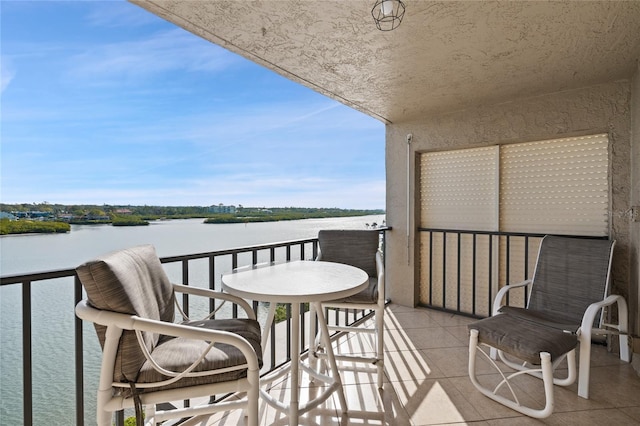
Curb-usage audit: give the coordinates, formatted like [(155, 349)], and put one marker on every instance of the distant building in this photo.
[(98, 217), (33, 215), (5, 215), (221, 208), (38, 214), (123, 211)]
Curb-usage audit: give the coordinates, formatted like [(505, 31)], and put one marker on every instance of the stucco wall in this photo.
[(598, 109), (634, 297)]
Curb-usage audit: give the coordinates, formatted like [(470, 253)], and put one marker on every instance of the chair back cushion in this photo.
[(130, 281), (353, 247), (571, 273)]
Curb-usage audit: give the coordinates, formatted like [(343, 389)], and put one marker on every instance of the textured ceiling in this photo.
[(445, 56)]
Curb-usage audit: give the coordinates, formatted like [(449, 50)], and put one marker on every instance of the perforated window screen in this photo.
[(459, 189), (557, 186)]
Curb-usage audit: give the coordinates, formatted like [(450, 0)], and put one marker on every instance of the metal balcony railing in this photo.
[(210, 265), (461, 271)]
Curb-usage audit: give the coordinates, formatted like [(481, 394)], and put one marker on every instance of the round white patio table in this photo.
[(295, 283)]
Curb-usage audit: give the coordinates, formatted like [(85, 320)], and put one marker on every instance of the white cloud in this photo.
[(114, 14), (7, 73), (171, 50), (294, 191)]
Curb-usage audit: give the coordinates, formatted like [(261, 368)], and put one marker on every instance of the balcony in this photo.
[(426, 383), (426, 352)]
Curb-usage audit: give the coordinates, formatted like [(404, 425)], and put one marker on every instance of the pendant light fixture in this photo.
[(388, 14)]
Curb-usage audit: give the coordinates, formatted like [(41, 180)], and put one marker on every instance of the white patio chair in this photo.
[(567, 297), (148, 359), (359, 248)]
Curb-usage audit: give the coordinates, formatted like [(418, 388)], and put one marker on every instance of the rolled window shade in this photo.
[(558, 186), (459, 189)]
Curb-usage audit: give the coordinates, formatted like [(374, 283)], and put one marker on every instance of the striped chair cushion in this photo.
[(176, 354)]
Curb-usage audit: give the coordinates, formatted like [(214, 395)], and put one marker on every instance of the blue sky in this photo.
[(105, 103)]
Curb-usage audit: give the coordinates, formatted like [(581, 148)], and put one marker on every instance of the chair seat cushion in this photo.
[(368, 295), (523, 339), (176, 354), (548, 318)]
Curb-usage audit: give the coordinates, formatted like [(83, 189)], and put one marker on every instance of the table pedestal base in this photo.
[(333, 380)]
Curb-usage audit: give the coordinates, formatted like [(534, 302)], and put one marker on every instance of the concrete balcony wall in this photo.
[(605, 108), (634, 295)]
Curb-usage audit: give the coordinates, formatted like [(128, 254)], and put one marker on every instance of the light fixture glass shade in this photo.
[(388, 14), (386, 7)]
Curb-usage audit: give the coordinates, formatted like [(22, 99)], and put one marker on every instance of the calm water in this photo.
[(52, 302)]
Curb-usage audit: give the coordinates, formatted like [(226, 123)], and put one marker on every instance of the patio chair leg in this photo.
[(623, 337), (379, 335), (104, 417), (585, 364), (493, 353), (253, 395), (313, 335), (624, 348), (149, 414), (547, 378)]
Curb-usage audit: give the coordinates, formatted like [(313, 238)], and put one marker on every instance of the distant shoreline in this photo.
[(22, 227), (29, 227), (274, 217)]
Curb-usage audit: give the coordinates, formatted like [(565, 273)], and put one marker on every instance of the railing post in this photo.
[(508, 265), (79, 345), (120, 418), (212, 282), (444, 270), (234, 266), (27, 376), (458, 270), (185, 281), (431, 267), (474, 282), (490, 277), (526, 268)]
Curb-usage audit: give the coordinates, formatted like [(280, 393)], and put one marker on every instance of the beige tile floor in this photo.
[(426, 383)]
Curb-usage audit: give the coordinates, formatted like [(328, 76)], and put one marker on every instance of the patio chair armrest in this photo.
[(497, 301), (211, 294), (593, 309)]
